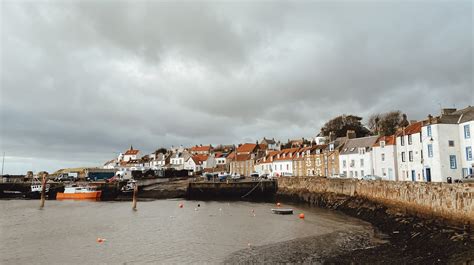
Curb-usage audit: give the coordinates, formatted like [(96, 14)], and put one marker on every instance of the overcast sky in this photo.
[(81, 81)]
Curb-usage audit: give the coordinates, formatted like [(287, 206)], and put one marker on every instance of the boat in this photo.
[(37, 186), (282, 211), (129, 186), (36, 189), (79, 193)]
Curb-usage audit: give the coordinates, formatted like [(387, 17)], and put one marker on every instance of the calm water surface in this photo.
[(65, 232)]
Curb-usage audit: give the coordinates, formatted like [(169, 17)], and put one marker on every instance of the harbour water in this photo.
[(66, 232)]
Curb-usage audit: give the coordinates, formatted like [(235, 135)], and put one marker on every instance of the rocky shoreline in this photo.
[(410, 240)]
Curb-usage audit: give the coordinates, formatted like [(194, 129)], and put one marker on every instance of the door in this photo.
[(413, 175), (428, 174), (390, 174)]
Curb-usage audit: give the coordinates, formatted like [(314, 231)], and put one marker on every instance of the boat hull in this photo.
[(282, 211), (93, 195)]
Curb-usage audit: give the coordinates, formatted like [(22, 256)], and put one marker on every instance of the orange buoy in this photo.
[(100, 240), (278, 204), (181, 205), (301, 215)]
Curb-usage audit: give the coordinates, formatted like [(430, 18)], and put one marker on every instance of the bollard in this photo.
[(43, 191), (135, 191)]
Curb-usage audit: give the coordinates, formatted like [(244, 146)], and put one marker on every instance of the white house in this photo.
[(466, 140), (283, 162), (448, 145), (178, 158), (355, 158), (410, 153), (384, 156), (131, 154), (193, 163)]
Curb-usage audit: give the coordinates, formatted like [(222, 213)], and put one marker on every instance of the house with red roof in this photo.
[(131, 154), (201, 149), (242, 161), (385, 157), (409, 147)]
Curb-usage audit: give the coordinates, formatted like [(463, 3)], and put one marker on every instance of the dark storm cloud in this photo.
[(82, 80)]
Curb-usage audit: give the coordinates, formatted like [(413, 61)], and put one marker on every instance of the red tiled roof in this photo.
[(201, 148), (389, 140), (287, 153), (231, 155), (243, 157), (132, 152), (410, 129), (246, 148)]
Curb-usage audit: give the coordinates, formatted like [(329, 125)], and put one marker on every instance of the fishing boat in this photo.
[(79, 193), (128, 188), (282, 211), (36, 188)]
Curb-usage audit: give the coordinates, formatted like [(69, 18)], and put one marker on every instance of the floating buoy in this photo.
[(249, 245), (181, 205), (301, 215), (199, 205), (278, 204), (100, 240), (254, 215)]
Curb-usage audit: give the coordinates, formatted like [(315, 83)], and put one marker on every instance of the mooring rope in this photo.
[(252, 189)]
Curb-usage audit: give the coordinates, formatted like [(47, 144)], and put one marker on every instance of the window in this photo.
[(362, 162), (382, 144), (428, 130), (467, 132), (409, 140), (410, 156), (355, 174), (469, 153), (383, 172), (383, 157), (403, 156), (343, 163), (362, 173), (451, 143), (361, 151), (288, 166), (452, 161), (402, 140), (430, 150), (331, 147), (352, 163)]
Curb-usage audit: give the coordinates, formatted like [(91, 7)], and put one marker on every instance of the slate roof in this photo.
[(352, 145)]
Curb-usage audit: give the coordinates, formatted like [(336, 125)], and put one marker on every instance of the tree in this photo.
[(161, 150), (341, 124), (387, 123)]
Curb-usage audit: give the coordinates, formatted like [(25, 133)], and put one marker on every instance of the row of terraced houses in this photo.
[(433, 150)]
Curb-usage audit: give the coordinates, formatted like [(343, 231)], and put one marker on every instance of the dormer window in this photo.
[(382, 144), (331, 147), (352, 149)]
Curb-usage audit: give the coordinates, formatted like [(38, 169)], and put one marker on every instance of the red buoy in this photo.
[(278, 204), (181, 205), (301, 215)]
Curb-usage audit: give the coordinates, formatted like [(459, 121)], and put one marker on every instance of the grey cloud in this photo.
[(84, 79)]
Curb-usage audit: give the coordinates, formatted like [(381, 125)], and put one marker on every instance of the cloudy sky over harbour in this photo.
[(81, 81)]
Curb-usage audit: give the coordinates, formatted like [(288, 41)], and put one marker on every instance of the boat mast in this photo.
[(3, 162)]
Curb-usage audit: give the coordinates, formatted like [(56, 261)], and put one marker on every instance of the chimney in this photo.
[(447, 111), (350, 134), (332, 136)]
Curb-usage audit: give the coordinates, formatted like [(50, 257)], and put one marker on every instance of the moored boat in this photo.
[(282, 211), (79, 193)]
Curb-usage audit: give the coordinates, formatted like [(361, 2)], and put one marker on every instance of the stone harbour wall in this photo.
[(453, 203)]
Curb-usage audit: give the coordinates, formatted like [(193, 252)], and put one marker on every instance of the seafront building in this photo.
[(384, 155), (437, 149), (356, 157)]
